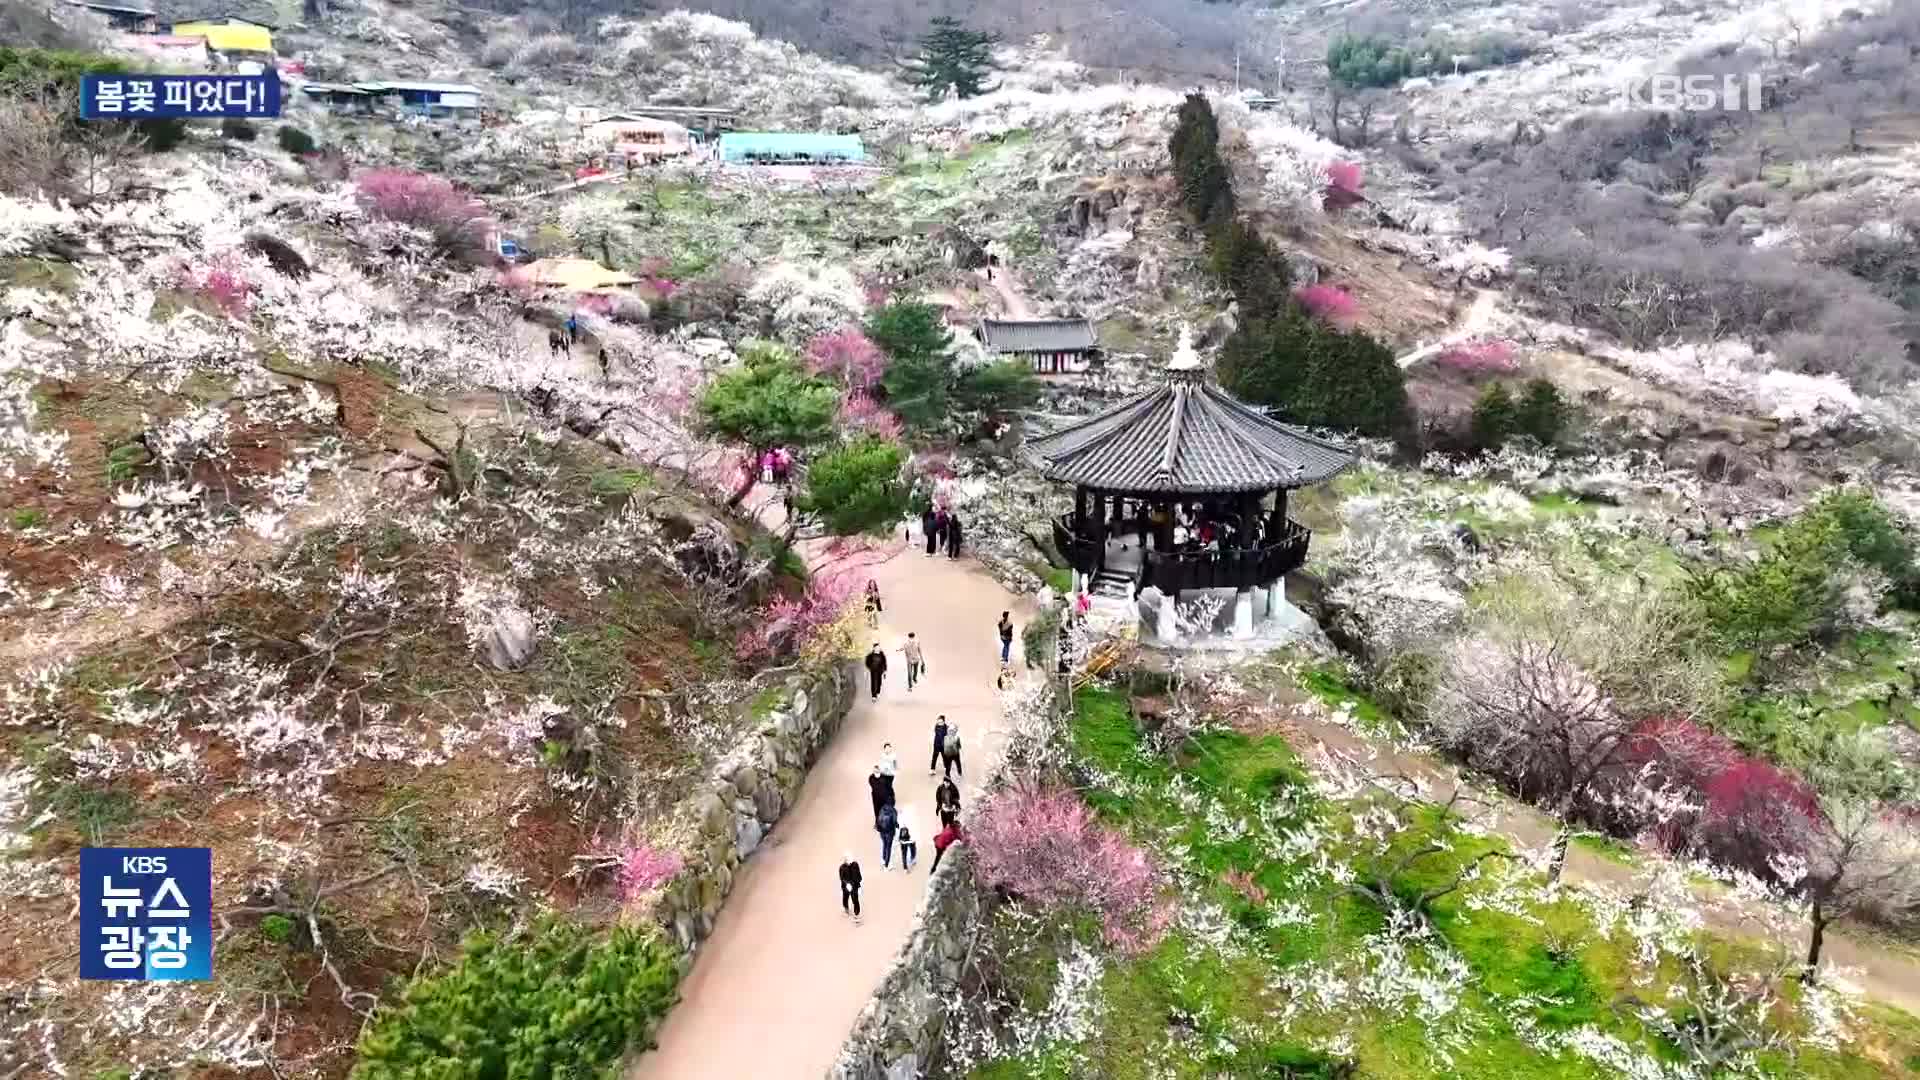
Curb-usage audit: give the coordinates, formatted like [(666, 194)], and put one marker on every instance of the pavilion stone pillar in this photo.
[(1167, 627), (1243, 614)]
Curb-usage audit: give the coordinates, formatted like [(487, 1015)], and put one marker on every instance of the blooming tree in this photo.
[(1329, 303), (1043, 845), (458, 222)]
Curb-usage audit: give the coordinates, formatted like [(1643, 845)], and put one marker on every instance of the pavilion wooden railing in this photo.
[(1232, 568), (1083, 553)]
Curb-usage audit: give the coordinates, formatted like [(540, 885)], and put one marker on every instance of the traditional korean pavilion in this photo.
[(1184, 488)]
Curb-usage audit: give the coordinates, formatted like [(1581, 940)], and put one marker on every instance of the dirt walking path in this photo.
[(1472, 323), (1881, 973), (776, 989)]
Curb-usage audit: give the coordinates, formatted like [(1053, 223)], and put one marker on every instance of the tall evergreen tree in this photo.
[(952, 56), (920, 372)]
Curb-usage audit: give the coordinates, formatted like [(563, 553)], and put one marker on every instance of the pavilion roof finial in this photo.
[(1184, 357)]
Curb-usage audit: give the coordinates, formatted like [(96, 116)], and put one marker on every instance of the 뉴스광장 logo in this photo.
[(146, 914)]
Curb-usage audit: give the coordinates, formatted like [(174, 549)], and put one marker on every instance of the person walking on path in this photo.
[(946, 799), (873, 604), (850, 887), (948, 837), (889, 762), (886, 822), (953, 536), (876, 669), (930, 528), (1006, 637), (939, 742), (950, 752), (909, 848), (880, 787), (916, 660)]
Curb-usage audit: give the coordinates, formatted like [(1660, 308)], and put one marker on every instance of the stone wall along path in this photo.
[(775, 990)]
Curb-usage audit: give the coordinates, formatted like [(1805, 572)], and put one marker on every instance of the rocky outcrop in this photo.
[(749, 790), (899, 1031)]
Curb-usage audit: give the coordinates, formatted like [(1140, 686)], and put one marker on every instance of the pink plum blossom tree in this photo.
[(1043, 845)]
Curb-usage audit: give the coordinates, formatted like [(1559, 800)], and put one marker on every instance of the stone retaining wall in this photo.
[(749, 790), (901, 1026)]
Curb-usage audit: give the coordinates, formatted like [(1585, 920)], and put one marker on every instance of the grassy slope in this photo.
[(1187, 1009)]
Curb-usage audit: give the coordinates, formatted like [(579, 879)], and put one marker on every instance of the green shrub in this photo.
[(1037, 638), (277, 929), (27, 518), (1316, 375), (233, 127), (297, 142), (553, 1004), (1793, 590), (1540, 413), (1362, 60), (1493, 417)]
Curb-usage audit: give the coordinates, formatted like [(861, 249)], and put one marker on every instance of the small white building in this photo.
[(639, 137)]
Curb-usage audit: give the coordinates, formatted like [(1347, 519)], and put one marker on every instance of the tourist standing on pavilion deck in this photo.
[(876, 669), (850, 887)]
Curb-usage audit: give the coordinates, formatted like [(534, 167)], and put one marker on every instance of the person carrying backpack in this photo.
[(850, 887), (950, 752), (886, 823)]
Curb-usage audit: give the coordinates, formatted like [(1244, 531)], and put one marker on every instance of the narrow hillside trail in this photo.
[(1472, 323), (1882, 973), (1013, 305), (776, 989)]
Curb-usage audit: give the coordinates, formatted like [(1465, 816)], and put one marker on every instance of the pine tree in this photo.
[(952, 56), (1493, 417), (1541, 412)]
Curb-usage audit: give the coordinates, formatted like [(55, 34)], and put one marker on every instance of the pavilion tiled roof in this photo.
[(1187, 436), (1037, 335)]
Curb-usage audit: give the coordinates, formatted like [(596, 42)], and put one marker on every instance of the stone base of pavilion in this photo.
[(1255, 621)]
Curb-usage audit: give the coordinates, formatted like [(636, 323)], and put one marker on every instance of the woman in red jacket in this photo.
[(948, 837)]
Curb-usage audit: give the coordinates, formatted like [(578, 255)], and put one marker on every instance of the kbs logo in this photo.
[(1696, 93), (146, 913)]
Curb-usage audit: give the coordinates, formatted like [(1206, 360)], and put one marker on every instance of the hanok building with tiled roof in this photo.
[(1051, 346), (1184, 488)]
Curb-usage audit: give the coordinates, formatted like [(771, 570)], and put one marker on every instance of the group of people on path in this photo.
[(942, 530), (895, 823)]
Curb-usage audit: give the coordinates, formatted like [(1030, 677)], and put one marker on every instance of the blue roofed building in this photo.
[(790, 148)]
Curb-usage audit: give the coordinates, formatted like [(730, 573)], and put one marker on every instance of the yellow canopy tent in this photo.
[(223, 37), (579, 275)]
